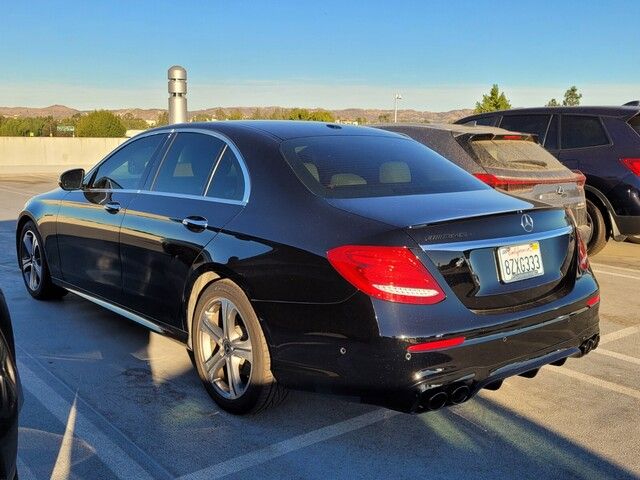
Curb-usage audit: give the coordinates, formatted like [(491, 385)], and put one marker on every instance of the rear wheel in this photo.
[(598, 227), (33, 263), (230, 351)]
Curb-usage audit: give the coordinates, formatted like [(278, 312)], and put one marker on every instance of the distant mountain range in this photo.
[(350, 114)]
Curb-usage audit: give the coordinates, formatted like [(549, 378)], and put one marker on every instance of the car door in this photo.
[(88, 224), (583, 139), (198, 187)]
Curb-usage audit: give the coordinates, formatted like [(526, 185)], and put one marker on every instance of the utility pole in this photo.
[(177, 94), (395, 108)]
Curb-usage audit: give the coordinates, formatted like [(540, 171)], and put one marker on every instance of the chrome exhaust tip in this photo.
[(435, 401), (459, 394)]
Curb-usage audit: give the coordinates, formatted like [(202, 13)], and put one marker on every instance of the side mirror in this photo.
[(72, 179)]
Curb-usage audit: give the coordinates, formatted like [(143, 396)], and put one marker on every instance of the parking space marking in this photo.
[(276, 450), (24, 471), (618, 334), (62, 467), (112, 456), (604, 265), (614, 387), (618, 356), (614, 274)]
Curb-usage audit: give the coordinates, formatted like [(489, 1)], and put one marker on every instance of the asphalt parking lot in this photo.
[(104, 398)]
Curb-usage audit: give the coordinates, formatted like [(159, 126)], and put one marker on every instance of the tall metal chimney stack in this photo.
[(177, 94)]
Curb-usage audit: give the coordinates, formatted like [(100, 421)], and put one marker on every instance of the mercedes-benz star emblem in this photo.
[(527, 223)]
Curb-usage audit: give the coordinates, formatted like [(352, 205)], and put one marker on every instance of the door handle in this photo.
[(112, 207), (197, 224)]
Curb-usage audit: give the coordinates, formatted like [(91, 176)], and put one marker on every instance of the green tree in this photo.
[(133, 123), (200, 117), (553, 103), (100, 123), (384, 118), (162, 119), (235, 114), (572, 97), (278, 114), (321, 115), (220, 114), (258, 114), (361, 120), (496, 100)]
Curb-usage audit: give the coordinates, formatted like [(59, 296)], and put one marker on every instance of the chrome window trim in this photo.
[(228, 144), (496, 242)]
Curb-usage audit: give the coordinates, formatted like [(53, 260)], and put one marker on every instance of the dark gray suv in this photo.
[(603, 143)]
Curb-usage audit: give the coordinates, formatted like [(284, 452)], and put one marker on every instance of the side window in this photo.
[(551, 142), (125, 168), (228, 180), (580, 131), (188, 164), (487, 121), (536, 124)]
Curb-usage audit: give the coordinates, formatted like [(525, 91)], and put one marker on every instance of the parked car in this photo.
[(316, 256), (10, 395), (511, 162), (603, 143)]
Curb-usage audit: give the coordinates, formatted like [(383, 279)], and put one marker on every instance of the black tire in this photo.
[(598, 225), (228, 346), (634, 239), (41, 288)]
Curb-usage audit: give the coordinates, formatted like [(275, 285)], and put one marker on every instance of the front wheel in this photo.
[(230, 351), (33, 263)]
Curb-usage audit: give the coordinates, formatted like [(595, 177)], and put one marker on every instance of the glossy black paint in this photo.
[(610, 185), (10, 395), (144, 259)]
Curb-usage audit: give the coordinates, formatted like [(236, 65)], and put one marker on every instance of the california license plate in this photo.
[(519, 262)]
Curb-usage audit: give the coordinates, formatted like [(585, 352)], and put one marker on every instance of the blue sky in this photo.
[(334, 54)]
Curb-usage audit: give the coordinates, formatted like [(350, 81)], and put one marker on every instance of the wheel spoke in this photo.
[(38, 269), (233, 376), (33, 279), (210, 328), (242, 350), (26, 264), (213, 366), (225, 318), (27, 241)]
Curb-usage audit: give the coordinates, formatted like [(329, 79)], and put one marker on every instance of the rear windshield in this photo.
[(371, 166), (513, 155)]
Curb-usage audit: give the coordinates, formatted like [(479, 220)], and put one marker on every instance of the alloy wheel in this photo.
[(31, 260), (225, 348)]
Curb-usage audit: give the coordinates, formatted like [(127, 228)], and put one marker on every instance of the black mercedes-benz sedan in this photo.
[(316, 256)]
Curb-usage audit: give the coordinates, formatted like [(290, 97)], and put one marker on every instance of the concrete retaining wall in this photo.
[(51, 155)]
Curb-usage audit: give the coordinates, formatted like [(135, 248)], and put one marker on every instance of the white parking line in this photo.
[(618, 334), (263, 455), (604, 272), (604, 265), (618, 356), (630, 392), (112, 456)]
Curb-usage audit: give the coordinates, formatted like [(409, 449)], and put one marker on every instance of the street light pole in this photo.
[(395, 112)]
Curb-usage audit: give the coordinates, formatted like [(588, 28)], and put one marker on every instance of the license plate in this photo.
[(519, 262)]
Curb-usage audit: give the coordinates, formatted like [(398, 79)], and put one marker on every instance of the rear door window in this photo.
[(372, 166), (228, 179), (484, 121), (579, 131), (189, 163), (536, 124)]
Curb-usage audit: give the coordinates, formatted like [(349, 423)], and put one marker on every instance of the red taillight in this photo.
[(435, 345), (389, 273), (632, 164), (593, 300), (583, 258), (511, 184), (511, 137)]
